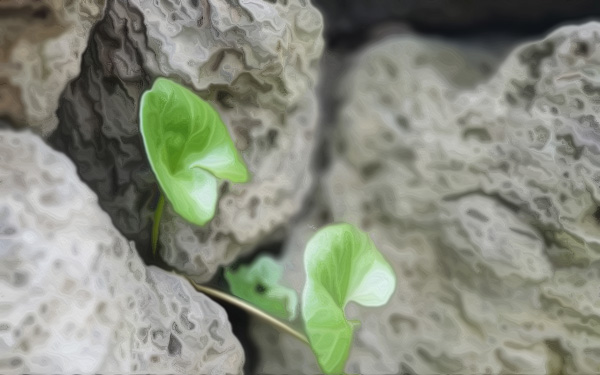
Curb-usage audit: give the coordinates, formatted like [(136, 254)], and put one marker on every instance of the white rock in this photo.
[(483, 194), (76, 297), (41, 44), (254, 61)]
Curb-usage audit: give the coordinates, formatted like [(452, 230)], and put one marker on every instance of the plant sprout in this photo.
[(189, 149), (342, 265)]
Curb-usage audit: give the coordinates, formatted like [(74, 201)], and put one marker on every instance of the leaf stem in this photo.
[(157, 215), (251, 309)]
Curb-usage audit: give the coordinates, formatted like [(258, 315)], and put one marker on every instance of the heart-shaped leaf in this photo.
[(189, 148), (259, 285), (342, 265)]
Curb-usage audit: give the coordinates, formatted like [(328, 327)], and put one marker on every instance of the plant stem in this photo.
[(251, 309), (157, 215)]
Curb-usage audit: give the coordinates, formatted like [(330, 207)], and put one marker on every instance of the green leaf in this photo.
[(189, 148), (259, 285), (342, 265)]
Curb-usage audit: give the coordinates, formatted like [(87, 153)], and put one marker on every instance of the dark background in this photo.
[(349, 22)]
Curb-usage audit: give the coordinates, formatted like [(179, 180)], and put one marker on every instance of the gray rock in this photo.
[(255, 61), (482, 192), (76, 297), (98, 126), (41, 44)]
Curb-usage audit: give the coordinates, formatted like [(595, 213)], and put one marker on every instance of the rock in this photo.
[(76, 297), (98, 123), (483, 193), (40, 52), (254, 61)]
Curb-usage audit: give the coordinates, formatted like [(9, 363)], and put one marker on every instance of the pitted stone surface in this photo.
[(76, 297), (255, 61), (41, 43), (483, 193)]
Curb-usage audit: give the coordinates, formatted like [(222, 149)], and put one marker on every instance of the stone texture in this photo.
[(255, 61), (76, 297), (483, 193), (41, 43)]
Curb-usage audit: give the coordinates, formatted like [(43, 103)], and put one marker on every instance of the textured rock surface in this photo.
[(40, 52), (484, 195), (75, 296), (255, 61)]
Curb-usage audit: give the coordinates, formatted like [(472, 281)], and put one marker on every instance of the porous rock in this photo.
[(76, 297), (254, 61), (483, 195), (41, 43)]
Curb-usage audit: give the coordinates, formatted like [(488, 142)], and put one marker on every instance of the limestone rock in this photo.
[(255, 61), (40, 52), (483, 193), (76, 297)]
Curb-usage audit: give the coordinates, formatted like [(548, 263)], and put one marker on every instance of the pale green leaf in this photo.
[(259, 285), (342, 265), (189, 148)]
